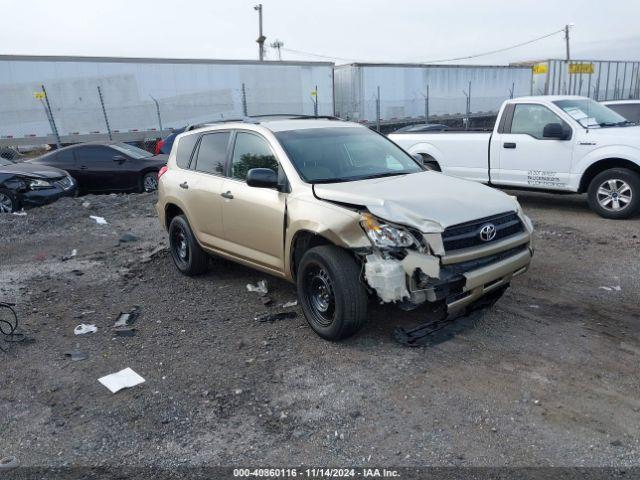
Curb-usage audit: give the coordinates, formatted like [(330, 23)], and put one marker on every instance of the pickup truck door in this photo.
[(521, 156), (253, 218)]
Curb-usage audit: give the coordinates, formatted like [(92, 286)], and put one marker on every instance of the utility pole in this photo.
[(566, 38), (157, 113), (278, 45), (261, 37)]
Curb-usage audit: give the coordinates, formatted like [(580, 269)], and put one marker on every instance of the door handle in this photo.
[(184, 185), (227, 194), (84, 167), (509, 145)]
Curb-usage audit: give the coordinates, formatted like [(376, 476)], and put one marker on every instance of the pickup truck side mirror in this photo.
[(262, 178), (554, 130)]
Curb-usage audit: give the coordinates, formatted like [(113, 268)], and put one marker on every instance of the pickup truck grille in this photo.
[(467, 235)]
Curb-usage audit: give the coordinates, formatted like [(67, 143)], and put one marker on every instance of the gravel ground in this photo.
[(548, 377)]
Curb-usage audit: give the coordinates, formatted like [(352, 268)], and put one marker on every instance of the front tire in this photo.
[(8, 202), (333, 299), (187, 254), (615, 193)]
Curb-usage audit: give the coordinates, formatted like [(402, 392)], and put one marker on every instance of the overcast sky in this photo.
[(373, 30)]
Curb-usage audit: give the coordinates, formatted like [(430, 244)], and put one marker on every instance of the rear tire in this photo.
[(8, 202), (187, 254), (615, 193), (333, 299), (149, 182)]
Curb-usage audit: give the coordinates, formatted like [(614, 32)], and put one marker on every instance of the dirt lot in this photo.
[(549, 376)]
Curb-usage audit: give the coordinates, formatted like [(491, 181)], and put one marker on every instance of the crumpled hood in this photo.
[(428, 201), (34, 170)]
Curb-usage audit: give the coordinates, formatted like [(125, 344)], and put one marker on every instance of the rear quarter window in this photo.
[(185, 150)]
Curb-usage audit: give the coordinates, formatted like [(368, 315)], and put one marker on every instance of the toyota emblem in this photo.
[(487, 232)]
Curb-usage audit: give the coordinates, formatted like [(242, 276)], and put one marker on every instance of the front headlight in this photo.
[(39, 184), (383, 235)]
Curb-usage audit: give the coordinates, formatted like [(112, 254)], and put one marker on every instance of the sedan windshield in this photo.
[(133, 152), (591, 114), (342, 154)]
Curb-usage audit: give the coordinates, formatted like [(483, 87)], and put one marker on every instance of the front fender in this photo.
[(623, 152)]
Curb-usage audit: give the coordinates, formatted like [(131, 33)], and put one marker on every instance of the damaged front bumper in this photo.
[(458, 280)]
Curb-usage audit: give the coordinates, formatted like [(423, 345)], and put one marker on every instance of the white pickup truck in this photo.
[(550, 143)]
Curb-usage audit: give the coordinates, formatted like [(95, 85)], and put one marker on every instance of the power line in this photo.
[(496, 51), (328, 57)]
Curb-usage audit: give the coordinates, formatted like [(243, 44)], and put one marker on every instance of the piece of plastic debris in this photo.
[(272, 317), (125, 331), (260, 287), (8, 463), (77, 355), (21, 213), (266, 300), (126, 378), (292, 303), (99, 220), (616, 288), (86, 204), (73, 253), (85, 328), (127, 318), (128, 237)]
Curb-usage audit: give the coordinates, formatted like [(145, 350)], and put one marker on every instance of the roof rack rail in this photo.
[(256, 119)]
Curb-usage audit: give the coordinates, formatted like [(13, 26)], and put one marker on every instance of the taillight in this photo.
[(159, 145), (162, 171)]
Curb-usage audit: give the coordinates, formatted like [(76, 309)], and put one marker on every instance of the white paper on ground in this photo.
[(99, 220), (123, 379), (84, 328)]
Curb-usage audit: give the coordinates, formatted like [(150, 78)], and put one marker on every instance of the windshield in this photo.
[(342, 154), (4, 162), (132, 151), (591, 114)]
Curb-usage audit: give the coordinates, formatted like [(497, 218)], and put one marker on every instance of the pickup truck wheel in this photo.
[(615, 193), (333, 299), (187, 254)]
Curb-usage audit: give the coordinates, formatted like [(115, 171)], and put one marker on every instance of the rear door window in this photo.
[(185, 149), (212, 153)]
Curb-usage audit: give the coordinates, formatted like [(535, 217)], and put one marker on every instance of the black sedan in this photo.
[(27, 185), (107, 167)]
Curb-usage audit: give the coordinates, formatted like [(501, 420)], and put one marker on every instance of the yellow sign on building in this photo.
[(38, 95), (540, 68), (575, 68)]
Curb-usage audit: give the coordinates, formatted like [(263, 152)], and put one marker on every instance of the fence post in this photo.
[(244, 101), (513, 86), (158, 113), (467, 119), (52, 120), (378, 110), (426, 106), (104, 112)]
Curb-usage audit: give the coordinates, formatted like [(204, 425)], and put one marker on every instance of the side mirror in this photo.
[(554, 130), (119, 158), (262, 178), (418, 158)]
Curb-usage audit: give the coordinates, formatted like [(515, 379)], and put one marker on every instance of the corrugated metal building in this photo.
[(598, 79), (404, 89), (188, 91)]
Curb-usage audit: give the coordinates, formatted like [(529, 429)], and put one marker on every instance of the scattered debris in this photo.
[(99, 220), (126, 378), (616, 443), (77, 273), (615, 288), (85, 328), (8, 463), (272, 317), (21, 213), (77, 355), (9, 325), (260, 287), (290, 304), (86, 204), (266, 300), (73, 253), (123, 326), (128, 237)]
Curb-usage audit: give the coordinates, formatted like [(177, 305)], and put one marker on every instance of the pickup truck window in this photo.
[(530, 119), (342, 154), (591, 114), (251, 151)]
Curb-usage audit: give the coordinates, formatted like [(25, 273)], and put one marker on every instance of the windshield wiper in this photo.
[(380, 175), (616, 124)]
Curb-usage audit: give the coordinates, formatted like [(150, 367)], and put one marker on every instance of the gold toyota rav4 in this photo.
[(342, 212)]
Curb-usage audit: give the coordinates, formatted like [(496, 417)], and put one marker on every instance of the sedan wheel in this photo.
[(150, 182), (6, 203)]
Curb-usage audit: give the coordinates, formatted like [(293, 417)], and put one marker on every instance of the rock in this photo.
[(128, 237), (616, 443)]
